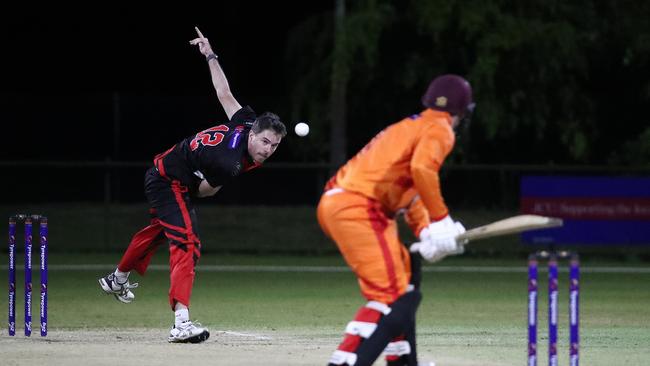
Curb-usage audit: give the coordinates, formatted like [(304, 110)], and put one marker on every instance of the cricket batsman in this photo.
[(396, 172)]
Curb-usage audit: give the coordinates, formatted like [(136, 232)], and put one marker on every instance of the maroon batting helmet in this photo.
[(449, 93)]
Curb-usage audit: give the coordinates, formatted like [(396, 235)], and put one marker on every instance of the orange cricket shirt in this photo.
[(399, 167)]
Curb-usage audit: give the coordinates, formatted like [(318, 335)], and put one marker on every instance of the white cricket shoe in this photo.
[(188, 332), (121, 291)]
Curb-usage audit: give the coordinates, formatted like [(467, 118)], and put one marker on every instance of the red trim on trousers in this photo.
[(178, 229), (379, 224), (158, 162), (141, 248), (178, 190), (182, 262), (175, 238)]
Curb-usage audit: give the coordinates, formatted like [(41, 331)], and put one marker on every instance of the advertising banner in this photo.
[(595, 210)]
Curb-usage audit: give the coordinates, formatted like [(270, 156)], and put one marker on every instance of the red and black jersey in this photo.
[(217, 154)]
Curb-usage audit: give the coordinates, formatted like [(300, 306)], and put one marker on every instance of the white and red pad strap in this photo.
[(343, 358), (379, 306), (361, 327), (398, 348)]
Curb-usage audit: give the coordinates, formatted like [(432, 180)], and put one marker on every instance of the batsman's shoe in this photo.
[(121, 291), (188, 332)]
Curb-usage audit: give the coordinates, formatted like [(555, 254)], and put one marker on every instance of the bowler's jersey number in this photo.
[(210, 137)]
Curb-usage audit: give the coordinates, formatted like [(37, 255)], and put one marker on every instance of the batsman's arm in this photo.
[(428, 156), (228, 102), (416, 215)]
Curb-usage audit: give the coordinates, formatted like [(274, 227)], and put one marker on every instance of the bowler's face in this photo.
[(262, 145)]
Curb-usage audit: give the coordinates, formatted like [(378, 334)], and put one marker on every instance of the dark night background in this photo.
[(62, 66), (63, 69), (557, 84)]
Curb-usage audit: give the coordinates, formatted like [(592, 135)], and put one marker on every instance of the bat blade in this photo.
[(511, 225)]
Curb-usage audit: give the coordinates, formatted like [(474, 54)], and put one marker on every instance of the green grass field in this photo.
[(467, 317)]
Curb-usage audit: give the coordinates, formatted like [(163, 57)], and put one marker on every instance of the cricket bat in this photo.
[(511, 225)]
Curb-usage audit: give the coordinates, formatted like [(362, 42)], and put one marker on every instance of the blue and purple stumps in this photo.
[(43, 233), (553, 259)]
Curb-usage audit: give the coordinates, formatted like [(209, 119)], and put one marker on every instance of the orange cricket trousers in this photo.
[(369, 243)]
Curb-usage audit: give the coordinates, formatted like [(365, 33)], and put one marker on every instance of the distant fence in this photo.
[(97, 206), (464, 186)]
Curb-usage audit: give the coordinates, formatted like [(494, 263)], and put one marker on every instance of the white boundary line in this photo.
[(336, 269)]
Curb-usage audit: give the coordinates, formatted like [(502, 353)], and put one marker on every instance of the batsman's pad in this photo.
[(361, 327), (399, 320)]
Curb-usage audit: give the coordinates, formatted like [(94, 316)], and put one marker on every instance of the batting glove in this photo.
[(438, 240)]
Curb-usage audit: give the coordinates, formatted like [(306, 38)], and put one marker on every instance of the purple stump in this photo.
[(28, 276), (43, 242), (552, 310), (532, 310), (12, 276), (574, 310)]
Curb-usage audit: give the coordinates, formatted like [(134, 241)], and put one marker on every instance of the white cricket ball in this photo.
[(302, 129)]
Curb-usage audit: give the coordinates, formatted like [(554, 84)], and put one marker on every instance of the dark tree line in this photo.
[(555, 81)]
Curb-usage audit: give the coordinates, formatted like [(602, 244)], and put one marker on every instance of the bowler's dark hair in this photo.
[(269, 121)]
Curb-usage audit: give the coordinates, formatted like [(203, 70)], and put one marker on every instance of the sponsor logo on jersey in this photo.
[(235, 139)]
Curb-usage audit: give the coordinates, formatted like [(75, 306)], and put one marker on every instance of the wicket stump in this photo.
[(574, 288), (43, 232)]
